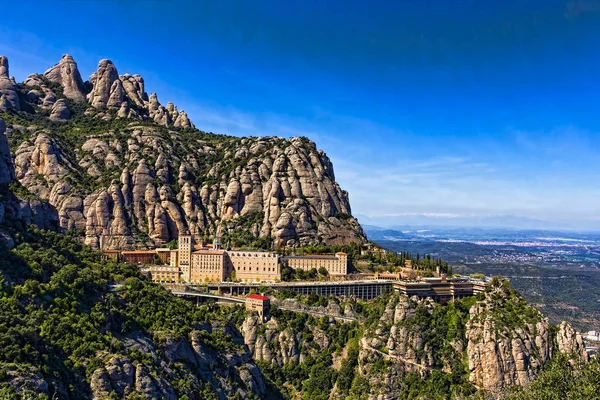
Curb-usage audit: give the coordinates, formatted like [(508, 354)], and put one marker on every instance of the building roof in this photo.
[(111, 251), (313, 257), (252, 251), (257, 297), (138, 252), (209, 252), (163, 268), (162, 249)]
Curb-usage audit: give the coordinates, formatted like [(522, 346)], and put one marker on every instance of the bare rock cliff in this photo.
[(161, 184), (126, 171), (509, 341)]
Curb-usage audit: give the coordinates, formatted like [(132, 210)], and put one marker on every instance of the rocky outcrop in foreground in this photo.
[(509, 342), (227, 374), (504, 341)]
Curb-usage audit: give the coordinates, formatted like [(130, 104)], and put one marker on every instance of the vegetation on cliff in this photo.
[(562, 379), (59, 324), (66, 333)]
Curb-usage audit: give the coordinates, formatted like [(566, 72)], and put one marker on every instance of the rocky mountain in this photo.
[(102, 161), (127, 172)]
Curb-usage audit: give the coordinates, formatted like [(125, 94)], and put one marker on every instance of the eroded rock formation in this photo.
[(66, 74), (141, 185), (159, 186), (9, 97), (504, 351), (28, 210)]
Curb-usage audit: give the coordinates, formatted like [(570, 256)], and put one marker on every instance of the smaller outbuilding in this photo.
[(259, 304)]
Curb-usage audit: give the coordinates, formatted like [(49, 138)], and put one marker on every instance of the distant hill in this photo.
[(376, 233), (400, 222)]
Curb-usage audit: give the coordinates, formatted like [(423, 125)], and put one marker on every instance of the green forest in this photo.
[(60, 319)]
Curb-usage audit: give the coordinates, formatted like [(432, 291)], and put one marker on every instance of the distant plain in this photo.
[(558, 272)]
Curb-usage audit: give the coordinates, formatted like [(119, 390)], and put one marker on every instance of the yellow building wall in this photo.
[(335, 265), (207, 267), (252, 266)]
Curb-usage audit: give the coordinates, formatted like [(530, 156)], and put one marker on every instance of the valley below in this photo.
[(558, 272)]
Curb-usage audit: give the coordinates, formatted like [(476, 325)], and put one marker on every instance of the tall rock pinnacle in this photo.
[(3, 67), (9, 99), (134, 88), (103, 82), (67, 74)]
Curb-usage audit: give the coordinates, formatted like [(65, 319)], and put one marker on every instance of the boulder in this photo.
[(60, 112)]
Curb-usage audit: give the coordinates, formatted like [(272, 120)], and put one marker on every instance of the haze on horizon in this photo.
[(428, 110)]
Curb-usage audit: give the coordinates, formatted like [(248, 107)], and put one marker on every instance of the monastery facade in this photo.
[(335, 265), (197, 264)]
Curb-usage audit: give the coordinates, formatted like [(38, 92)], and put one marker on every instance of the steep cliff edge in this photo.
[(17, 205), (126, 171), (407, 347), (509, 341), (494, 343)]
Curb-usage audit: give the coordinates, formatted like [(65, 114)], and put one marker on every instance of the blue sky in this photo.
[(442, 108)]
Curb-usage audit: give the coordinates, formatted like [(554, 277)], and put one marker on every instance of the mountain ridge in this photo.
[(127, 172)]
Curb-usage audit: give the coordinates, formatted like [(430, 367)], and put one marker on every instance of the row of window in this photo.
[(257, 269), (252, 255)]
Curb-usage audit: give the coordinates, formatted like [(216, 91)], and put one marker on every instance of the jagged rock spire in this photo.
[(3, 67), (67, 74), (124, 93), (103, 80), (9, 99)]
